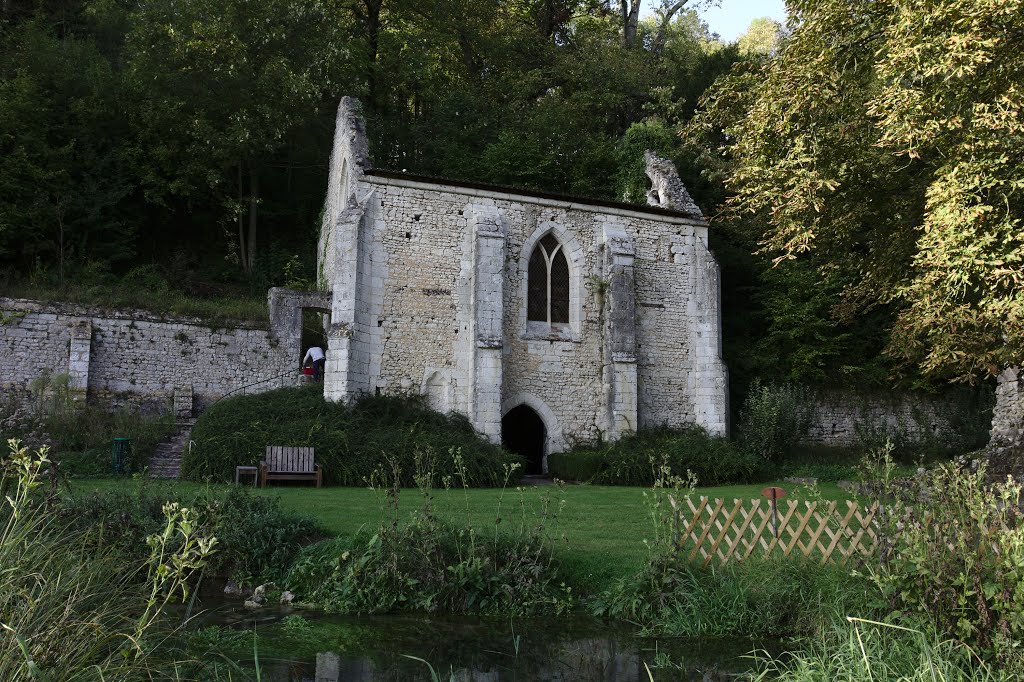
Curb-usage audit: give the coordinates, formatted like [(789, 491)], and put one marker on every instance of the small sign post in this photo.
[(774, 494)]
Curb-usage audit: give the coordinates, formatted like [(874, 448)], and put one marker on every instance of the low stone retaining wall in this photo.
[(121, 357), (840, 418)]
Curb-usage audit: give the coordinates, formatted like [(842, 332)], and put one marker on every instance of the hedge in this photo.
[(352, 442), (634, 460)]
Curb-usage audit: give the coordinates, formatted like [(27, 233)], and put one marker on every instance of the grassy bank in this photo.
[(604, 527), (153, 296)]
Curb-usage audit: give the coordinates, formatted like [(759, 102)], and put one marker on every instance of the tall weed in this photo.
[(72, 608), (867, 651), (953, 558)]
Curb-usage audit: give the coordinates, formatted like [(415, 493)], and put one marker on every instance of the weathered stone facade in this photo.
[(1008, 413), (846, 418), (430, 295), (122, 357)]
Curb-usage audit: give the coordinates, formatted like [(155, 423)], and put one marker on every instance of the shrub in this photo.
[(576, 465), (433, 565), (351, 441), (637, 459), (257, 541), (773, 420), (954, 558)]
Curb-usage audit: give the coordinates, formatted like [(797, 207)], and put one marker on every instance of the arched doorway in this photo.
[(523, 432)]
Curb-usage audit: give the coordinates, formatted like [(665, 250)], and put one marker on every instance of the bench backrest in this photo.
[(290, 460)]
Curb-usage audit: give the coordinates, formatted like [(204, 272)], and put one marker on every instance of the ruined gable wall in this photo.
[(420, 325)]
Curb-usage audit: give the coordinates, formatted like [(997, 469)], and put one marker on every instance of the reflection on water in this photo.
[(333, 648)]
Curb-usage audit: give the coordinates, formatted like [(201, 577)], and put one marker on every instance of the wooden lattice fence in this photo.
[(712, 528)]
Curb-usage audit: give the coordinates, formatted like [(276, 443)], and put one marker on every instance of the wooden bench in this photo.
[(289, 464)]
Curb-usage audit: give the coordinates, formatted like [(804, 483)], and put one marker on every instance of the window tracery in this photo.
[(548, 283)]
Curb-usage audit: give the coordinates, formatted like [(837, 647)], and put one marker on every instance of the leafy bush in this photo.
[(257, 541), (433, 565), (576, 465), (773, 420), (636, 459), (954, 558), (351, 441)]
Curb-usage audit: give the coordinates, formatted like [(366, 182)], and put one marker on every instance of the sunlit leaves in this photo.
[(887, 137)]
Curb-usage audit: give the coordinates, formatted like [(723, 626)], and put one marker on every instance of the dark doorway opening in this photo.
[(313, 333), (523, 432)]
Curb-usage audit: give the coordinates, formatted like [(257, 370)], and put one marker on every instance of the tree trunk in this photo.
[(372, 16), (242, 259), (254, 202), (630, 19), (666, 19), (60, 246)]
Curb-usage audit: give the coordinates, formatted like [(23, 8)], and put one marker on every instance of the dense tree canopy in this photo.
[(198, 133), (868, 156), (883, 147)]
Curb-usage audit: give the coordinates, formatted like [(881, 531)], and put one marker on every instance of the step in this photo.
[(166, 459)]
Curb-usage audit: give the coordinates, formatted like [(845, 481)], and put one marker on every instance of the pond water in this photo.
[(298, 645)]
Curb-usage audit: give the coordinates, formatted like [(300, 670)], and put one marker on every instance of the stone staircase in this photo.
[(166, 460)]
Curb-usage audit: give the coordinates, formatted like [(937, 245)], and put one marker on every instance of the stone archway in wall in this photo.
[(523, 432), (288, 307), (530, 428)]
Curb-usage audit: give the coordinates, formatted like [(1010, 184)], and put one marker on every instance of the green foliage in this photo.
[(758, 597), (864, 651), (128, 131), (901, 185), (226, 307), (637, 459), (654, 135), (773, 420), (257, 540), (576, 465), (81, 436), (220, 88), (352, 441), (755, 598), (954, 559), (424, 563), (63, 176), (70, 607)]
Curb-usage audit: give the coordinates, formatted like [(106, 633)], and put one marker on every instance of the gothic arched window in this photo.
[(548, 283)]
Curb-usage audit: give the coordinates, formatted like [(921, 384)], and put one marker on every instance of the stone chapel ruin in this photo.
[(544, 319)]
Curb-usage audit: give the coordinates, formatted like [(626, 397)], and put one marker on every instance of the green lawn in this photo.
[(599, 532)]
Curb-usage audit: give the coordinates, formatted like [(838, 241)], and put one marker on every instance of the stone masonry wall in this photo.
[(846, 418), (132, 356), (1008, 413), (418, 296)]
